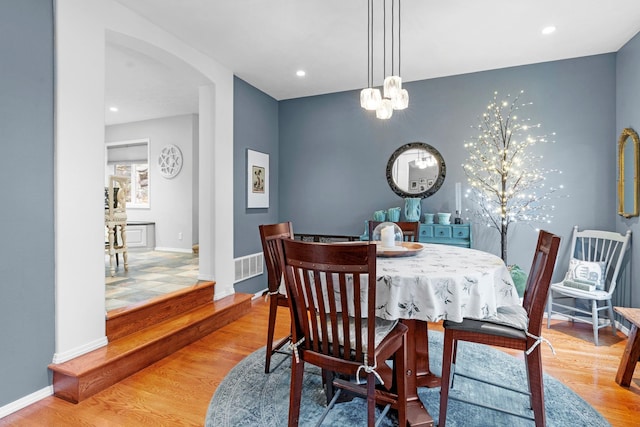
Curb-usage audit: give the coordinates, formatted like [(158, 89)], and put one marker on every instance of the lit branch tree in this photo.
[(507, 182)]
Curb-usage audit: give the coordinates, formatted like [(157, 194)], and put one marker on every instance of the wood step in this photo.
[(86, 375), (133, 318)]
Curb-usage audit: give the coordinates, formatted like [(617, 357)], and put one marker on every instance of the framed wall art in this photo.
[(257, 179)]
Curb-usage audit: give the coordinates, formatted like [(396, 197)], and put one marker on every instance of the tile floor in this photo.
[(151, 274)]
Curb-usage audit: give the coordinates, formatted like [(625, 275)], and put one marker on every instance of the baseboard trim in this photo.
[(79, 351), (180, 250), (25, 401), (219, 295), (259, 293)]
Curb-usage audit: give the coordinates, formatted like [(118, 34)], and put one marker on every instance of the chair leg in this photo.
[(123, 237), (533, 364), (112, 268), (400, 368), (549, 307), (327, 382), (611, 318), (371, 400), (448, 357), (594, 320), (295, 392), (273, 311)]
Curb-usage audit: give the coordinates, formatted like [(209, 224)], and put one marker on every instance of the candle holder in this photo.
[(457, 219), (387, 235)]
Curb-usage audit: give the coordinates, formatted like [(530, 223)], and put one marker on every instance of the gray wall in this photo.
[(255, 127), (26, 257), (628, 115), (336, 153)]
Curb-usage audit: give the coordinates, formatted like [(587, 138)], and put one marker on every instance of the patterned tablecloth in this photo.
[(443, 282)]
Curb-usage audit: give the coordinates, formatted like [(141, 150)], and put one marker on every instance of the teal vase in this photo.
[(412, 208)]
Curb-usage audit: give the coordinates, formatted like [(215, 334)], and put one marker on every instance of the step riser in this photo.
[(77, 387), (129, 320)]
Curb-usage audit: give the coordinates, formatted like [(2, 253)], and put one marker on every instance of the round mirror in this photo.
[(416, 170)]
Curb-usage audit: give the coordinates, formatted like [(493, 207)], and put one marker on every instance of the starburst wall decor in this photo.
[(170, 161)]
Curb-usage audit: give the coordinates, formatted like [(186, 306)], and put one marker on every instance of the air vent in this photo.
[(248, 266)]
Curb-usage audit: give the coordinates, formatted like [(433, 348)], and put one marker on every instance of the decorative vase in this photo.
[(428, 218), (412, 208), (444, 218), (393, 214), (380, 216)]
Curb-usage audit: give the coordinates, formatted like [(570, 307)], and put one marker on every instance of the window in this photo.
[(131, 159)]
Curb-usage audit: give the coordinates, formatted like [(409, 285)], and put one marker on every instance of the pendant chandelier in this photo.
[(393, 96)]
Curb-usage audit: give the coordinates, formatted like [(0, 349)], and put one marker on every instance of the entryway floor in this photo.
[(151, 274)]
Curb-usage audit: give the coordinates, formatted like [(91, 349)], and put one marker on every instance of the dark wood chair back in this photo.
[(332, 290), (336, 272), (539, 280), (270, 235), (410, 229)]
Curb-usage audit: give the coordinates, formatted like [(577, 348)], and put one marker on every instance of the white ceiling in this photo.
[(264, 42)]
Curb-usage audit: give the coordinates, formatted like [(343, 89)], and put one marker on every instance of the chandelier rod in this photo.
[(399, 32), (393, 34), (384, 38), (369, 61)]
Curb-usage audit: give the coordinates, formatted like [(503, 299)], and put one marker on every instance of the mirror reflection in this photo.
[(628, 146), (416, 170)]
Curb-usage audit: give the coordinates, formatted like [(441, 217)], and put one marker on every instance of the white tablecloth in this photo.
[(443, 282)]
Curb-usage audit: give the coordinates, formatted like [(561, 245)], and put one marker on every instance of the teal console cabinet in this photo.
[(449, 234)]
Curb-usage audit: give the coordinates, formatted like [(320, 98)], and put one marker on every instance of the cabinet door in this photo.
[(442, 231), (136, 236), (426, 231), (460, 231)]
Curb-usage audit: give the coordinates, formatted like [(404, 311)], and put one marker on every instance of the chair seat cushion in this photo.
[(510, 321)]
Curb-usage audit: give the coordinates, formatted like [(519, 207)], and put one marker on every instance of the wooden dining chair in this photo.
[(269, 235), (596, 255), (516, 327), (332, 295), (115, 221), (410, 229)]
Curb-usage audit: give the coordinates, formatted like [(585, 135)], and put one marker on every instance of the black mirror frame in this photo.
[(431, 150)]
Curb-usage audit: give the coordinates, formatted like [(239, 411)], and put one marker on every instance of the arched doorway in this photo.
[(79, 166), (152, 102)]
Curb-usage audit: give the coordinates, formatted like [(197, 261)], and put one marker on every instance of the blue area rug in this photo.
[(249, 397)]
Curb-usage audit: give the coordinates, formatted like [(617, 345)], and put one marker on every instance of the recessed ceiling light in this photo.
[(301, 73), (114, 109), (548, 30)]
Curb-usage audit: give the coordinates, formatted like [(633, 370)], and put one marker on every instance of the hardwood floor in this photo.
[(176, 390)]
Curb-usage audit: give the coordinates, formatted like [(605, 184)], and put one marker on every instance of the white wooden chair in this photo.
[(115, 221), (596, 258)]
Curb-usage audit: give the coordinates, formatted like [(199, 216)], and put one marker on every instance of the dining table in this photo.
[(432, 283)]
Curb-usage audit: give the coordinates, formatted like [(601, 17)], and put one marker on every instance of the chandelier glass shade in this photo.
[(393, 96), (401, 101), (370, 98), (385, 109), (392, 87)]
